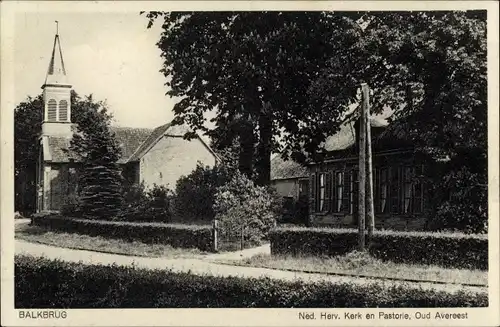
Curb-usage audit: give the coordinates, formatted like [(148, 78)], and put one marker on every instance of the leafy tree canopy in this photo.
[(294, 75), (253, 68)]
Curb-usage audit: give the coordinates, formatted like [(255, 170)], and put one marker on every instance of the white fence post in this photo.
[(215, 235)]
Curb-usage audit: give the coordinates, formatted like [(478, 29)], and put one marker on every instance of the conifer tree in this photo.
[(100, 180)]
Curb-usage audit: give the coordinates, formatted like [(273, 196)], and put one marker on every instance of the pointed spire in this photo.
[(56, 75)]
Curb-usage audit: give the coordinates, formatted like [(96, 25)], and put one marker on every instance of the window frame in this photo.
[(383, 197), (352, 191), (338, 198), (321, 185)]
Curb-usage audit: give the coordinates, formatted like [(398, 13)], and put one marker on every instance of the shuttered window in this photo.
[(321, 192), (328, 201), (313, 199), (345, 191), (52, 110), (353, 192), (383, 184), (63, 110), (339, 191), (395, 189), (407, 189), (418, 199)]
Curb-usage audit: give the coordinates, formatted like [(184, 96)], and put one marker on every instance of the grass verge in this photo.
[(359, 264), (37, 234)]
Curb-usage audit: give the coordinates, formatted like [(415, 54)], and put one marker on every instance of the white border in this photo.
[(233, 317)]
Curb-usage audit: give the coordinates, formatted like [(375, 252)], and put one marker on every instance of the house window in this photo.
[(383, 192), (63, 110), (418, 191), (52, 110), (339, 191), (321, 192), (395, 189), (407, 189)]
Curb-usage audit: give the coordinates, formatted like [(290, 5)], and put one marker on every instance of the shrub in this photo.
[(194, 193), (240, 204), (443, 249), (153, 204), (459, 193), (176, 235), (72, 206), (159, 197), (295, 211), (42, 283)]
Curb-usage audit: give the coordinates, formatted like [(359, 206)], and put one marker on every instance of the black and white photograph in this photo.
[(338, 165)]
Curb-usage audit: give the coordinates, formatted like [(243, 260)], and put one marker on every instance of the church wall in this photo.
[(61, 185), (171, 158)]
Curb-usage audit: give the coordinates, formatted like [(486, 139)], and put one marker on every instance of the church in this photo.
[(151, 156)]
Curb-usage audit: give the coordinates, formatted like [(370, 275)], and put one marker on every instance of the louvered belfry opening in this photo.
[(63, 110), (52, 110)]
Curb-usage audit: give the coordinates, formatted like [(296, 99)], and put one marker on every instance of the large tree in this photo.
[(254, 69), (27, 128), (28, 117)]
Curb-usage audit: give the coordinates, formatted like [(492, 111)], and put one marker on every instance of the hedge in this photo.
[(176, 235), (42, 283), (451, 250)]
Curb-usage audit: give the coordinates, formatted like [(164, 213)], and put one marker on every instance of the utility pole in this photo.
[(370, 205), (362, 175)]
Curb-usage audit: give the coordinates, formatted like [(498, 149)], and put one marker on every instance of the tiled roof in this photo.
[(59, 149), (346, 136), (129, 139), (167, 129), (148, 142), (283, 169)]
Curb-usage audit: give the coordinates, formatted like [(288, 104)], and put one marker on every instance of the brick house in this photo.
[(159, 156), (399, 193)]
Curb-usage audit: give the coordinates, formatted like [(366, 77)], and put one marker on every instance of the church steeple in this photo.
[(56, 95), (56, 74)]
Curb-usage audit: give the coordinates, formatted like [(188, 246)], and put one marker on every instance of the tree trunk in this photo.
[(247, 144), (263, 166)]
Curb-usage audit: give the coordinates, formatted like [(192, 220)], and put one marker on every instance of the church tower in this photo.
[(52, 166), (56, 96)]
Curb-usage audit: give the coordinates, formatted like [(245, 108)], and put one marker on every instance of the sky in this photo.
[(110, 55)]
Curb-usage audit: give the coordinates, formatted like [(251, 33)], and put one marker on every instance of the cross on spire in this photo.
[(57, 27)]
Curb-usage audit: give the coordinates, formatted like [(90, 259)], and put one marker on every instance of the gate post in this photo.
[(215, 235)]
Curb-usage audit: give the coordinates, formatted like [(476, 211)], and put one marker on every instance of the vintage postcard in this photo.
[(249, 163)]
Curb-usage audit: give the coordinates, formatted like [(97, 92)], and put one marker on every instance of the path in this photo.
[(201, 267)]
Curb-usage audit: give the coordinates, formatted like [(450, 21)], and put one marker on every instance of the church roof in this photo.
[(129, 139), (157, 134), (133, 142), (56, 74), (148, 142)]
